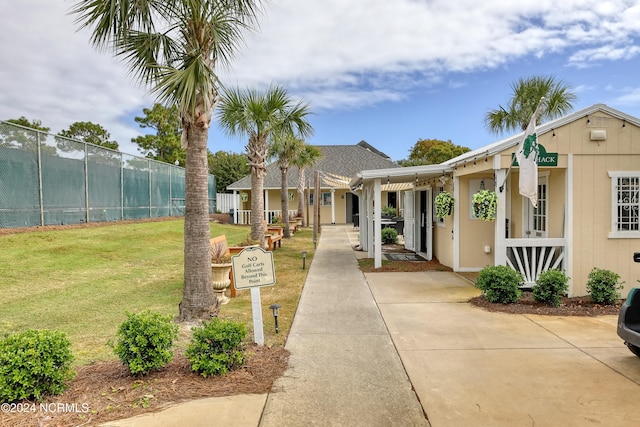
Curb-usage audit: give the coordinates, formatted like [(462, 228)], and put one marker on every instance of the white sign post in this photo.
[(253, 268)]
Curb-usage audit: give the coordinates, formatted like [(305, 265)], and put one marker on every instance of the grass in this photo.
[(84, 281)]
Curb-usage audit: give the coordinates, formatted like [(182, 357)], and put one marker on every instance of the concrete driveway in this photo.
[(471, 367)]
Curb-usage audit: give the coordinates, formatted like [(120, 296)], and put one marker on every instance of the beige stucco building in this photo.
[(588, 203)]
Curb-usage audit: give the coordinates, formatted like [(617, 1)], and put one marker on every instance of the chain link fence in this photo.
[(47, 179)]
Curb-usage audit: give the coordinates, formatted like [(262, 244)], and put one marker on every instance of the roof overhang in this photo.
[(405, 175)]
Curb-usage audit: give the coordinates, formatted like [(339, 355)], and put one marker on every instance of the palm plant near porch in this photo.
[(174, 47), (260, 115), (306, 158)]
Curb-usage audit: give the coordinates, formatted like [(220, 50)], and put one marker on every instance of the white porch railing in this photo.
[(244, 216), (533, 256)]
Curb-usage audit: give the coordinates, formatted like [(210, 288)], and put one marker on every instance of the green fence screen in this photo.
[(46, 179)]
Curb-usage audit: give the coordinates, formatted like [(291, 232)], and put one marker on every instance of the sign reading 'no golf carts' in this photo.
[(252, 269)]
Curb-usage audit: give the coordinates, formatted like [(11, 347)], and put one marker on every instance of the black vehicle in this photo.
[(629, 318)]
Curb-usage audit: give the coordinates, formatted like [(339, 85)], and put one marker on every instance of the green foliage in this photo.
[(145, 340), (432, 152), (164, 145), (228, 167), (34, 364), (389, 235), (500, 284), (485, 203), (389, 211), (550, 287), (603, 286), (444, 204), (216, 347), (88, 132)]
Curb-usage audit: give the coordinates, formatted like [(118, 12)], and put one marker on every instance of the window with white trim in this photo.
[(625, 204)]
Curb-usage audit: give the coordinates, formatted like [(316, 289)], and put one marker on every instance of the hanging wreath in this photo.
[(485, 203), (444, 204)]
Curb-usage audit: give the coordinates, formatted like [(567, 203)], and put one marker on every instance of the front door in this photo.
[(536, 218)]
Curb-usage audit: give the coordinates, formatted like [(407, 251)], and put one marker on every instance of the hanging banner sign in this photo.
[(544, 158)]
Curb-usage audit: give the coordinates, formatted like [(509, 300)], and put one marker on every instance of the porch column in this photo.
[(500, 245), (362, 218), (457, 213), (369, 221), (266, 206), (377, 203), (236, 198), (568, 224), (333, 206)]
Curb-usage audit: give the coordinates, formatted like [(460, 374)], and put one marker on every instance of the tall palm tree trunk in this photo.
[(284, 201), (300, 190), (257, 205), (198, 292)]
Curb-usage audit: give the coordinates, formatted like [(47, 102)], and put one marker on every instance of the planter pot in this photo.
[(220, 280), (299, 221)]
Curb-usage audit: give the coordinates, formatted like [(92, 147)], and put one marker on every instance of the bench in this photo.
[(222, 239), (274, 236)]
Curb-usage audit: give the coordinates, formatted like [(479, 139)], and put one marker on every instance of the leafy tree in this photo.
[(228, 167), (432, 152), (285, 149), (24, 138), (175, 47), (307, 158), (260, 115), (164, 146), (91, 133), (526, 94)]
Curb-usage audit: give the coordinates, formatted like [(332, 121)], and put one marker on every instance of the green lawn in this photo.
[(84, 281)]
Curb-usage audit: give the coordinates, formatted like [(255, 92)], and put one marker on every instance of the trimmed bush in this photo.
[(145, 341), (389, 235), (216, 347), (34, 364), (500, 284), (603, 286), (550, 287)]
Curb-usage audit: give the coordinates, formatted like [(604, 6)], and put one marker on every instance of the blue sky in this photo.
[(386, 71)]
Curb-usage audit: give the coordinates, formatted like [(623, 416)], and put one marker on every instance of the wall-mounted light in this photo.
[(275, 309), (553, 134)]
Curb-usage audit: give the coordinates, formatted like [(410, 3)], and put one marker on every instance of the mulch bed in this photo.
[(576, 306), (110, 392)]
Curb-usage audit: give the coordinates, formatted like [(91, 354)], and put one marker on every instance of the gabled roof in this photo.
[(337, 165), (514, 140)]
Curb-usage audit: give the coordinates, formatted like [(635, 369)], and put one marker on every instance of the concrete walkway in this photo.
[(344, 369)]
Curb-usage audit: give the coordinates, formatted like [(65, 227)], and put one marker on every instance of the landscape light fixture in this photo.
[(275, 308), (304, 259)]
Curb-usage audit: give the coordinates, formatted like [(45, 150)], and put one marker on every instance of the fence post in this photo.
[(121, 186), (86, 182), (149, 174), (39, 160)]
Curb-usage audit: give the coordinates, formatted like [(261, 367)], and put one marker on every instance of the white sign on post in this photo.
[(253, 268)]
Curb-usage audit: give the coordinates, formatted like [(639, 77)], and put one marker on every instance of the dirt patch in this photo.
[(106, 391), (576, 306), (366, 264)]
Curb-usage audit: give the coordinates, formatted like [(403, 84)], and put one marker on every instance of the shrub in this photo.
[(603, 286), (216, 347), (389, 235), (550, 287), (34, 364), (500, 284), (145, 340)]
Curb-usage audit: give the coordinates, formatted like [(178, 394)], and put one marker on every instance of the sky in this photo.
[(389, 72)]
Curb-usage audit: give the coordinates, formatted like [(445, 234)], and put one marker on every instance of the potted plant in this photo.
[(220, 269), (485, 203), (444, 204)]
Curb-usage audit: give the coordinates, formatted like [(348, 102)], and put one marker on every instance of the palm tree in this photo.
[(285, 149), (174, 47), (524, 101), (260, 115), (306, 158)]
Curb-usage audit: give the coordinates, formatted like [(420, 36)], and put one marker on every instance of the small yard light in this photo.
[(275, 308), (304, 259)]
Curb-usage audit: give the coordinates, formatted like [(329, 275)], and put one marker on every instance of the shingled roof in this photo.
[(337, 165)]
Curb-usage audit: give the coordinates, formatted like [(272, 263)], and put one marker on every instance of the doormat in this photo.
[(404, 257)]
